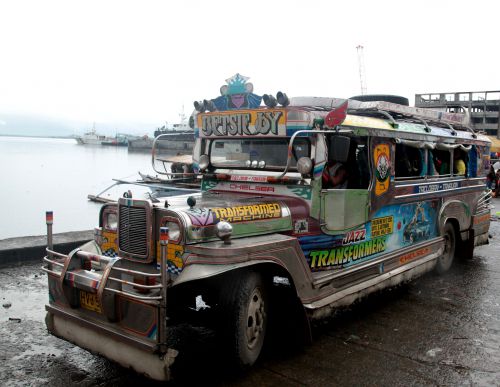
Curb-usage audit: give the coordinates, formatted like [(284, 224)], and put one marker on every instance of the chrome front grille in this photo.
[(133, 230)]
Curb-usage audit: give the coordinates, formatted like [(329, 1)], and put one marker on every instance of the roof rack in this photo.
[(392, 111), (408, 112)]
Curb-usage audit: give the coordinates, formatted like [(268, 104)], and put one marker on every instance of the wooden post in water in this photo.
[(49, 219)]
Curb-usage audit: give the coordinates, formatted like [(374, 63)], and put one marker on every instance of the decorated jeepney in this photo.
[(266, 230)]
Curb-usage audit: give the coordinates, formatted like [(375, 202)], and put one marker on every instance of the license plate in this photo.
[(89, 301)]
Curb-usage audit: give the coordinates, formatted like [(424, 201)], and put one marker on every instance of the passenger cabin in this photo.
[(392, 154)]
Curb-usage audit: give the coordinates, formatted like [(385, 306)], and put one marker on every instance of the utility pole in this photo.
[(361, 63)]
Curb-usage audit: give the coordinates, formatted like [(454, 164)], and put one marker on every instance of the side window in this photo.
[(409, 162), (460, 161), (354, 173), (359, 165), (439, 162), (363, 165)]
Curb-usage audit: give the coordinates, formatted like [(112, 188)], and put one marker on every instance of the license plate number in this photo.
[(89, 301)]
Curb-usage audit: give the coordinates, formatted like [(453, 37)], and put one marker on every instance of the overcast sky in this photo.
[(144, 60)]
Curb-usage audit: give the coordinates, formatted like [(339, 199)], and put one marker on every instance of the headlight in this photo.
[(174, 231), (203, 162), (111, 221)]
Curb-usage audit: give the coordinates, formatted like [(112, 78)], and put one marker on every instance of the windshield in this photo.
[(257, 153)]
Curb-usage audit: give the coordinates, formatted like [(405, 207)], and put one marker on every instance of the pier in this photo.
[(32, 248)]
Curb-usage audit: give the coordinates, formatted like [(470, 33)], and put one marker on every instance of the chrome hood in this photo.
[(248, 215)]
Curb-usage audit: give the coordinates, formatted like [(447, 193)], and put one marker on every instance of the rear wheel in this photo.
[(446, 259), (245, 305)]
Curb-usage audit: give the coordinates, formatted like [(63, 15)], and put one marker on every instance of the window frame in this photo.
[(293, 168)]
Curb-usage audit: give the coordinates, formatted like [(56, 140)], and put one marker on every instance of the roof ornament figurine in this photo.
[(237, 94)]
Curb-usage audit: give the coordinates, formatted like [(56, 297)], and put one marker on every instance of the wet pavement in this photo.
[(436, 330)]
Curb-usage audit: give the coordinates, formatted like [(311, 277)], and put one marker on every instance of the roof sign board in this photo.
[(257, 122)]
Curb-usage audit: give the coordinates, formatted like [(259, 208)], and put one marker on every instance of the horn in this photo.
[(282, 99), (199, 106), (209, 105), (269, 100)]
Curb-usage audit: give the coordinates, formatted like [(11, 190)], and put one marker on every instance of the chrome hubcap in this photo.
[(255, 318)]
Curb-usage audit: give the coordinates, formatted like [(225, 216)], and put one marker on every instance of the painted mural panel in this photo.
[(393, 227), (234, 214), (382, 162), (109, 246)]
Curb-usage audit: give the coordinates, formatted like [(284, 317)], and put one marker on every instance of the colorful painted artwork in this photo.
[(175, 264), (265, 122), (382, 164), (346, 255), (301, 191), (207, 185), (201, 217), (436, 187), (418, 227), (301, 226), (393, 227), (248, 213), (237, 94), (109, 246)]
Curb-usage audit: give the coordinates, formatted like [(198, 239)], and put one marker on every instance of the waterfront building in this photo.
[(483, 107)]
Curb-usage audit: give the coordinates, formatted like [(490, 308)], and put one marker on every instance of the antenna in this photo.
[(182, 115), (361, 63)]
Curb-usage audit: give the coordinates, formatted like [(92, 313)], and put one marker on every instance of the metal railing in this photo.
[(484, 202)]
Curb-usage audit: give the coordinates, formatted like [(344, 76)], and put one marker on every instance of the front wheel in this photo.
[(245, 308), (446, 259)]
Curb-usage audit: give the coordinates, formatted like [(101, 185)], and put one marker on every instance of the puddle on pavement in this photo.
[(36, 349), (25, 304)]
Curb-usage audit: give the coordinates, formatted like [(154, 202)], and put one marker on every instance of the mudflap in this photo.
[(481, 240), (117, 347)]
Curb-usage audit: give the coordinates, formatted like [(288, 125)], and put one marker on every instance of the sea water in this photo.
[(46, 174)]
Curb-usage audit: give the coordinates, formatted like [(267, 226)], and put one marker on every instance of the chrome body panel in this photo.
[(126, 350)]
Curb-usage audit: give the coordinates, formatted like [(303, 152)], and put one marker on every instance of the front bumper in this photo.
[(128, 351)]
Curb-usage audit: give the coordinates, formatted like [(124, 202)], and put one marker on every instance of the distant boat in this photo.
[(171, 140), (118, 140), (92, 138), (182, 128), (140, 143), (180, 138)]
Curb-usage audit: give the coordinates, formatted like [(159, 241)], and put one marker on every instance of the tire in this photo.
[(382, 97), (445, 261), (245, 311)]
